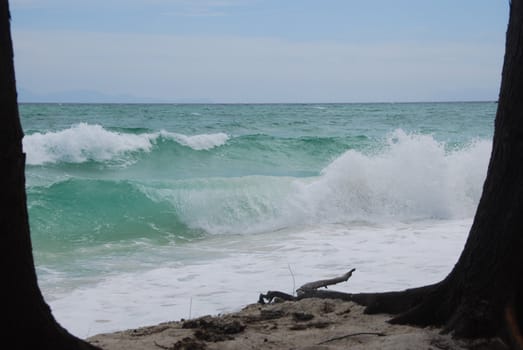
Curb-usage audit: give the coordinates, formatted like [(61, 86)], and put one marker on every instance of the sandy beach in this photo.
[(306, 324)]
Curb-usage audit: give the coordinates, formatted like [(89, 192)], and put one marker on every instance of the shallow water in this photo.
[(233, 270)]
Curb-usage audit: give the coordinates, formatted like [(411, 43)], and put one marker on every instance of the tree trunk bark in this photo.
[(28, 319), (471, 301)]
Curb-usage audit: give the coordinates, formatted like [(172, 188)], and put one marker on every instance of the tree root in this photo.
[(394, 302), (513, 328)]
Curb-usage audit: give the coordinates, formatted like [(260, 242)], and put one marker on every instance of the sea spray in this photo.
[(414, 177), (199, 142), (80, 143)]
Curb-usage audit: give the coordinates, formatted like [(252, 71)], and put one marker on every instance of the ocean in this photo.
[(144, 213)]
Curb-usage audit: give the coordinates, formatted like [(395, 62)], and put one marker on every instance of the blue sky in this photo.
[(247, 51)]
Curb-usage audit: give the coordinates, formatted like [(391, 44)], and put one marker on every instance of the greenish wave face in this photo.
[(77, 213)]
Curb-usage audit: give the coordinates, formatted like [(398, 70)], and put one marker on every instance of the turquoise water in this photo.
[(114, 189)]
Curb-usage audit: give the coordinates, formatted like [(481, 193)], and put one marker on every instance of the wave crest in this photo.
[(87, 142), (198, 142), (413, 177)]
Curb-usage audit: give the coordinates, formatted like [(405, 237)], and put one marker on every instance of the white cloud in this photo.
[(235, 69)]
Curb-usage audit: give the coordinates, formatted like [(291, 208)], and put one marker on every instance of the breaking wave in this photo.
[(86, 142)]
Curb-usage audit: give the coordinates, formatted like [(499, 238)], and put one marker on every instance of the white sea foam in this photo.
[(83, 142), (225, 273), (80, 143), (198, 142), (414, 177)]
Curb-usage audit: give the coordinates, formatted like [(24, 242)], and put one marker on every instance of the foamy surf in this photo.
[(198, 142), (389, 257), (87, 142), (413, 177)]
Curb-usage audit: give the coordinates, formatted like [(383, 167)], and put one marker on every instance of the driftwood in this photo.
[(324, 283), (310, 290)]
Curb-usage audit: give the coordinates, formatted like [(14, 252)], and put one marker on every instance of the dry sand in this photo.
[(306, 324)]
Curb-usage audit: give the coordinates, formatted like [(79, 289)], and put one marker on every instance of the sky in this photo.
[(258, 51)]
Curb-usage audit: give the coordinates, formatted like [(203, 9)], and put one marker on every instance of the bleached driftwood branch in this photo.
[(309, 290), (324, 283)]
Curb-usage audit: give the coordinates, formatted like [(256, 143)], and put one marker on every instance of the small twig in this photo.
[(352, 335), (190, 308), (293, 280)]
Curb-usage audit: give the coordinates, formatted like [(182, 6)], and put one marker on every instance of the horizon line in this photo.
[(253, 103)]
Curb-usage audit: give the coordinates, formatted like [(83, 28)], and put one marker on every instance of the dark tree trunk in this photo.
[(28, 321), (488, 277)]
